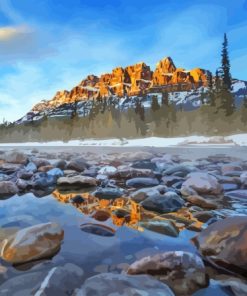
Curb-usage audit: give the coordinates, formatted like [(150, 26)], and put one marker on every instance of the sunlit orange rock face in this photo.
[(133, 80)]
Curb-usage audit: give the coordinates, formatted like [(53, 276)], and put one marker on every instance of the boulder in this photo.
[(202, 183), (16, 157), (142, 182), (9, 168), (32, 243), (161, 226), (107, 170), (82, 181), (168, 202), (124, 285), (143, 193), (225, 243), (39, 162), (240, 194), (56, 172), (101, 215), (128, 173), (183, 272), (98, 229), (78, 164), (201, 202), (243, 178), (43, 180), (7, 188), (108, 193)]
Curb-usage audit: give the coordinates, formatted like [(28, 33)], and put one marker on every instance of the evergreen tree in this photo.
[(244, 111), (165, 98), (225, 64), (155, 104)]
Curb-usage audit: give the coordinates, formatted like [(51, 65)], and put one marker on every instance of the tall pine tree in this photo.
[(225, 64)]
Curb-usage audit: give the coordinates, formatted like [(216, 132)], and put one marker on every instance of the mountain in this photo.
[(124, 85)]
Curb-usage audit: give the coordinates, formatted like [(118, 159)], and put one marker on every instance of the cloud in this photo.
[(8, 33)]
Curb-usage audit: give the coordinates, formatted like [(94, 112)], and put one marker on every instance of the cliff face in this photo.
[(132, 80)]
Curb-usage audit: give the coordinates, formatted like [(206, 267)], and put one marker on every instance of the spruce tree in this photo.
[(155, 104), (225, 64)]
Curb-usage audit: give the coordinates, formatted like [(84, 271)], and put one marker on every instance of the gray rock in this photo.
[(9, 168), (82, 181), (108, 193), (24, 174), (183, 272), (31, 167), (16, 157), (144, 164), (128, 173), (60, 164), (169, 202), (184, 170), (7, 188), (109, 284), (143, 193), (224, 242), (142, 182), (56, 172), (204, 216), (43, 180), (39, 162), (240, 194), (32, 243), (161, 226), (78, 164), (229, 186), (243, 178), (98, 229), (202, 183)]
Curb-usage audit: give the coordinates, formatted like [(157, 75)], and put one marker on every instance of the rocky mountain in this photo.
[(133, 80)]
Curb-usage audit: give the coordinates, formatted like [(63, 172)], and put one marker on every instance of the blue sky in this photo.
[(48, 45)]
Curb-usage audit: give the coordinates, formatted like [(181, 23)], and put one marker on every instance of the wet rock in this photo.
[(224, 242), (203, 216), (133, 156), (32, 243), (22, 184), (7, 188), (31, 167), (9, 168), (60, 164), (3, 274), (91, 172), (101, 215), (144, 164), (81, 181), (128, 173), (161, 226), (77, 200), (39, 162), (171, 180), (230, 167), (201, 202), (124, 285), (229, 186), (143, 193), (107, 170), (45, 168), (61, 280), (142, 182), (183, 170), (55, 172), (24, 174), (98, 229), (43, 180), (240, 194), (243, 178), (78, 164), (202, 183), (3, 177), (169, 202), (108, 193), (121, 213), (183, 272), (16, 157)]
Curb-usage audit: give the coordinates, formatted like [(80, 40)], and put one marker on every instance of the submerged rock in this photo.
[(108, 193), (125, 285), (183, 272), (161, 226), (82, 181), (142, 182), (7, 188), (98, 229), (32, 243)]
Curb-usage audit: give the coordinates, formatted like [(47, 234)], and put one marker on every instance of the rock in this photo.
[(60, 164), (7, 188), (227, 168), (45, 168), (237, 194), (9, 168), (98, 229), (78, 199), (22, 184), (55, 172), (224, 242), (128, 173), (161, 226), (169, 202), (78, 164), (201, 202), (101, 215), (107, 170), (203, 216), (142, 182), (31, 167), (229, 186), (133, 156), (243, 178), (3, 274), (24, 174), (16, 157), (32, 243), (43, 180), (144, 164), (183, 272), (108, 193), (180, 168), (81, 181), (170, 180), (61, 280), (143, 193), (202, 183), (121, 213), (3, 177), (39, 162), (124, 285)]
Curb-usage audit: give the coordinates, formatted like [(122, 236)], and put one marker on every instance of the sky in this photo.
[(51, 45)]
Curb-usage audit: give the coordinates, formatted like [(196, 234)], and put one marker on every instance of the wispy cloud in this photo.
[(8, 33)]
